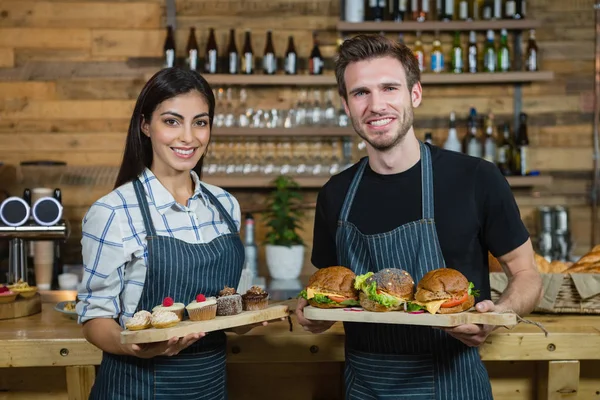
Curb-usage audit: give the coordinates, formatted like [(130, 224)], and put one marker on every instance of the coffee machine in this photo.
[(22, 222)]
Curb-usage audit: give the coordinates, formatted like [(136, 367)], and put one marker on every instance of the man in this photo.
[(380, 213)]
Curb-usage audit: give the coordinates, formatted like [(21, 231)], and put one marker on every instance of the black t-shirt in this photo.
[(475, 211)]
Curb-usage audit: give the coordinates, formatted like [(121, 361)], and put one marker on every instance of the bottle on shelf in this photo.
[(497, 9), (489, 144), (475, 10), (437, 56), (424, 11), (354, 10), (212, 54), (520, 9), (522, 164), (457, 54), (504, 151), (452, 143), (489, 53), (233, 64), (376, 9), (509, 9), (504, 62), (399, 10), (474, 145), (446, 10), (291, 58), (415, 9), (192, 51), (269, 59), (250, 248), (472, 54), (487, 10), (531, 56), (247, 55), (315, 62), (462, 10), (419, 52), (428, 138), (169, 48)]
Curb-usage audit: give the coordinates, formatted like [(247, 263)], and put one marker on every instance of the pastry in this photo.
[(169, 305), (23, 289), (202, 308), (164, 319), (589, 263), (229, 302), (255, 299), (6, 295), (140, 320)]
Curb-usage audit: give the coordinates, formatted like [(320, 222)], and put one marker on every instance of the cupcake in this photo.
[(6, 295), (229, 302), (255, 299), (140, 320), (202, 308), (164, 319), (169, 305)]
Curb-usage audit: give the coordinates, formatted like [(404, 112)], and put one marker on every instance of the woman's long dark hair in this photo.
[(164, 85)]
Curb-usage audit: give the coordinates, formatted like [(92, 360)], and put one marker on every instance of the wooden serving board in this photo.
[(402, 318), (186, 327), (21, 307)]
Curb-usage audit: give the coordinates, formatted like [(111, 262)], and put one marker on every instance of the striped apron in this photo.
[(403, 361), (180, 270)]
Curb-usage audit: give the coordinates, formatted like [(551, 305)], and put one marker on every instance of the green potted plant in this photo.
[(284, 246)]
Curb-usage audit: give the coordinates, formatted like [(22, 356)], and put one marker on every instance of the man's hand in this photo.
[(308, 325), (474, 335), (168, 348)]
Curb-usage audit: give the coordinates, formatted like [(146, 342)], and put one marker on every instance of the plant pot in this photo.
[(284, 262)]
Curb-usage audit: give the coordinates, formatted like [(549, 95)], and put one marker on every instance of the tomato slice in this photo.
[(337, 299), (454, 302)]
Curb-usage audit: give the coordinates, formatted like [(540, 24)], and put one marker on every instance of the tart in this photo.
[(140, 320), (164, 319), (7, 295), (23, 289)]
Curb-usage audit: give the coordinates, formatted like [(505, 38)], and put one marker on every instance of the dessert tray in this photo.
[(358, 314), (186, 327)]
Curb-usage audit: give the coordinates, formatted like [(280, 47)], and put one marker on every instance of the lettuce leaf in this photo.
[(412, 307), (361, 280), (302, 294), (322, 299), (382, 298), (472, 290)]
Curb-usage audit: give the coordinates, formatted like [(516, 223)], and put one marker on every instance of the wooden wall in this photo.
[(70, 72)]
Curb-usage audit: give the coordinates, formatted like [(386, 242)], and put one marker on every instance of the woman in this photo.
[(160, 233)]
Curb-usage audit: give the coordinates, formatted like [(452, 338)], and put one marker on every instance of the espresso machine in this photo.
[(21, 223)]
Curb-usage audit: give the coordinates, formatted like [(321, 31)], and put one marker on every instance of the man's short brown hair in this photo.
[(367, 47)]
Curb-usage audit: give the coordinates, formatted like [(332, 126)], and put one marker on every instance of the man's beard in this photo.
[(405, 121)]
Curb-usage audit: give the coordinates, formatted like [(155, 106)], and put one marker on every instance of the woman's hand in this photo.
[(167, 348), (240, 330)]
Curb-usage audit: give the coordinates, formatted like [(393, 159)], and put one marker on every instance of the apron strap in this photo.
[(213, 199), (426, 181), (143, 203), (345, 212)]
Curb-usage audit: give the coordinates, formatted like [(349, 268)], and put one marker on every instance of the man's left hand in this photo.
[(474, 335)]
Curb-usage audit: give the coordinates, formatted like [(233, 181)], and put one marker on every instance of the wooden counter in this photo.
[(521, 361)]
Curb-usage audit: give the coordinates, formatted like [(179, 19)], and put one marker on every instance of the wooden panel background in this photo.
[(70, 72)]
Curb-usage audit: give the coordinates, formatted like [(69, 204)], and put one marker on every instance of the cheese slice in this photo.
[(432, 306), (310, 293)]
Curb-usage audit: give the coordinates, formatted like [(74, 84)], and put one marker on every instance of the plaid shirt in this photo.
[(114, 246)]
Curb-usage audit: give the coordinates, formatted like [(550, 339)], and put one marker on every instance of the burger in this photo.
[(331, 287), (445, 291), (387, 290)]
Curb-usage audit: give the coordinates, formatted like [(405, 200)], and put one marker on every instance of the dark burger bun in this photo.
[(459, 308), (371, 305), (313, 303), (335, 280), (395, 282), (439, 284)]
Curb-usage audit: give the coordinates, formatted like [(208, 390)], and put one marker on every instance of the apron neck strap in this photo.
[(213, 199), (143, 203), (352, 190)]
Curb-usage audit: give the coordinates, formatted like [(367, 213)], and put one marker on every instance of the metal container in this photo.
[(562, 246), (545, 246), (545, 220), (561, 219)]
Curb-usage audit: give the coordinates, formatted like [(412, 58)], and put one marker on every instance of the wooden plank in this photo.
[(560, 159), (21, 307), (512, 380), (562, 380), (567, 50), (80, 380), (77, 158), (129, 15), (258, 8), (93, 109), (432, 26), (302, 23), (560, 136), (32, 381), (186, 327), (64, 126), (99, 89), (131, 43), (40, 38), (24, 57), (89, 142), (43, 71), (28, 90), (403, 318), (7, 57)]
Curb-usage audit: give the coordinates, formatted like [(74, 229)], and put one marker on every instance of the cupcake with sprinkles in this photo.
[(255, 299), (202, 308), (229, 302)]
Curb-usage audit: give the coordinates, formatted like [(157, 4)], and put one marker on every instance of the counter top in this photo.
[(53, 339)]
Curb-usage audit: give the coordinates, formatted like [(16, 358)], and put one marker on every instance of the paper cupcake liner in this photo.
[(203, 313), (253, 304)]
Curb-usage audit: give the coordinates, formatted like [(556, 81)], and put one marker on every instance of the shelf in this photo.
[(295, 132), (528, 181), (264, 80), (317, 182), (447, 78), (432, 26)]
